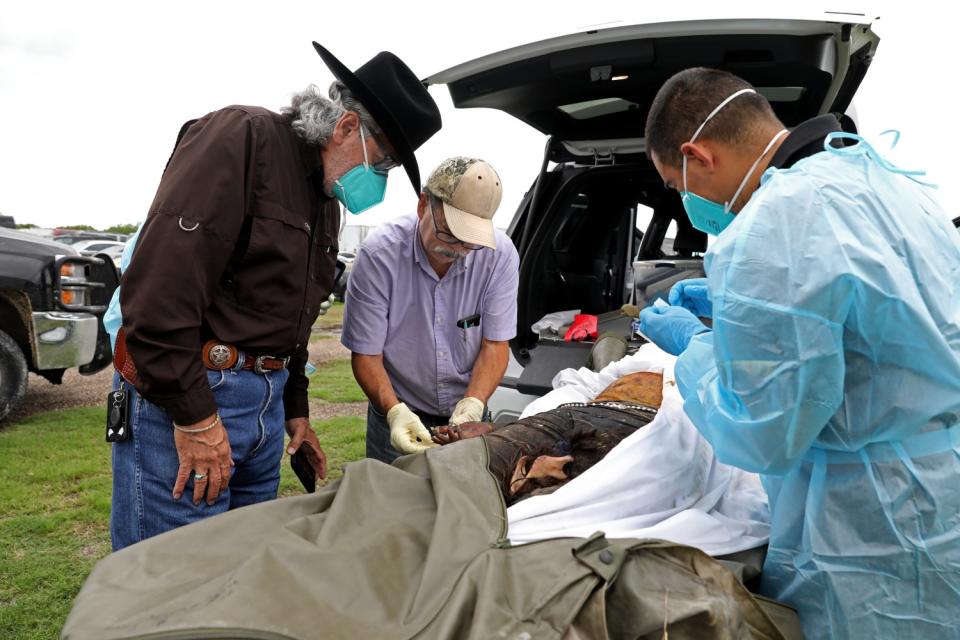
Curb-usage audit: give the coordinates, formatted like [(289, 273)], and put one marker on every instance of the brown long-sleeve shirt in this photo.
[(185, 287)]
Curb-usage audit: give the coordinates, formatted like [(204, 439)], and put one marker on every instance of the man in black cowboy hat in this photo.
[(228, 275)]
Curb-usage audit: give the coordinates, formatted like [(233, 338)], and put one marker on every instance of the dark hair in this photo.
[(688, 97)]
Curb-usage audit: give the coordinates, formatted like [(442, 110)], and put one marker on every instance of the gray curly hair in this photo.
[(313, 115)]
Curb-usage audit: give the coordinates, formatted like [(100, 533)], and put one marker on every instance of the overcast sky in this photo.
[(92, 94)]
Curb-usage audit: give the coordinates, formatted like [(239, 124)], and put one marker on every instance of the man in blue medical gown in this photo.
[(833, 363)]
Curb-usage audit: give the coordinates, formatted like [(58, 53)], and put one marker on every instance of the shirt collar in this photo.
[(310, 155), (312, 166), (805, 140)]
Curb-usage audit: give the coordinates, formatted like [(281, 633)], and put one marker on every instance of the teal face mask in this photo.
[(706, 215), (363, 186)]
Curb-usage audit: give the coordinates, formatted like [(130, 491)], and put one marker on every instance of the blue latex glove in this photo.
[(694, 295), (670, 328)]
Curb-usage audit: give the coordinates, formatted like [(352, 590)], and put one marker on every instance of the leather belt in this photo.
[(216, 356), (122, 361), (219, 356)]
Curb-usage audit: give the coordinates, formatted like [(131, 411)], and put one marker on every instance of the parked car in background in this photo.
[(340, 286), (72, 236), (52, 301), (115, 252), (93, 247), (598, 229)]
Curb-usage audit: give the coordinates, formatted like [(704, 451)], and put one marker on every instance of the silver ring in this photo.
[(199, 476), (193, 228)]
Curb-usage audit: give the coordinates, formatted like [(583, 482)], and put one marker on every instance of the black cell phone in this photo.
[(118, 415), (469, 321), (338, 272), (304, 470)]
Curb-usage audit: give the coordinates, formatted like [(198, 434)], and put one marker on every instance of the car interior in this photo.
[(584, 244), (606, 236)]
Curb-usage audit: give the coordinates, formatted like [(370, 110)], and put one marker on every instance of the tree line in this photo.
[(117, 228)]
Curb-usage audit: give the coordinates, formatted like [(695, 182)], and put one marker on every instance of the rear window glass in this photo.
[(566, 236)]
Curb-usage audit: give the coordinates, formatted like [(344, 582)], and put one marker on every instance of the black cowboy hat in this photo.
[(396, 99)]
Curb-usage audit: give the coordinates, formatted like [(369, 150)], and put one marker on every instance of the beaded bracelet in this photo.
[(216, 419)]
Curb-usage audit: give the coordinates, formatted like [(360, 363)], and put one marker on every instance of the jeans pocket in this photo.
[(216, 379)]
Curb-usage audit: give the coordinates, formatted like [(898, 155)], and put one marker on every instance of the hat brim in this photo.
[(470, 228), (381, 114)]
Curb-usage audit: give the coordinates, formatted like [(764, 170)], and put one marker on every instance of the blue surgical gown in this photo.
[(833, 369)]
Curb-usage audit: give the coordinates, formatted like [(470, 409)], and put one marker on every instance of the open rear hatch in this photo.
[(590, 93), (598, 84)]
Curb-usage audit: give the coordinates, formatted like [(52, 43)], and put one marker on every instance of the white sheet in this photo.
[(661, 482)]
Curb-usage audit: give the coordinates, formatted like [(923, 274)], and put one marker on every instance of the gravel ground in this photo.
[(83, 391), (76, 391), (324, 410)]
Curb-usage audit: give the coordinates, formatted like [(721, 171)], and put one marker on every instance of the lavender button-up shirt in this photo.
[(397, 306)]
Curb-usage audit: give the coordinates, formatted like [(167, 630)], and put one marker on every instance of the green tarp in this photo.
[(415, 550)]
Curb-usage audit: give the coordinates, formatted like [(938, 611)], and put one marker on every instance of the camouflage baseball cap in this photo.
[(470, 190)]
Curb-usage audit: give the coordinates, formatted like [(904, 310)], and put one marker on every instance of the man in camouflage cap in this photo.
[(431, 307)]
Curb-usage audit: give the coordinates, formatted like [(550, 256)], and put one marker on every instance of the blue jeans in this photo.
[(145, 466)]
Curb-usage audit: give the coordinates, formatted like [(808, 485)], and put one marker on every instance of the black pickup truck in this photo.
[(52, 302)]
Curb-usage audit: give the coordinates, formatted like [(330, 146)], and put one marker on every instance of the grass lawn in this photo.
[(55, 508), (332, 319), (333, 381)]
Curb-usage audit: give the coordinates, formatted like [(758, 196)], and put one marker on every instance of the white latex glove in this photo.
[(326, 304), (467, 410), (407, 433)]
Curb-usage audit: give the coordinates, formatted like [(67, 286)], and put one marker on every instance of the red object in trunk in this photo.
[(584, 327)]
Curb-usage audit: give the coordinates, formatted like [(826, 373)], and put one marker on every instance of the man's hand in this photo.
[(692, 294), (467, 410), (670, 328), (301, 433), (407, 433), (207, 455)]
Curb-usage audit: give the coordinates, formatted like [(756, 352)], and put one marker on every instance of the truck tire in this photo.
[(13, 375)]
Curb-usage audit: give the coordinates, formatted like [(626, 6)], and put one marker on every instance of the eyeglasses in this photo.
[(385, 163), (448, 238)]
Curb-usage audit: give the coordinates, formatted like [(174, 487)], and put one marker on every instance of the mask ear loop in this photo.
[(684, 173), (729, 205), (363, 143), (696, 133)]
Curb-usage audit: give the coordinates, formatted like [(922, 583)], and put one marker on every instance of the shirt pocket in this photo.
[(465, 348), (274, 265), (274, 225)]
